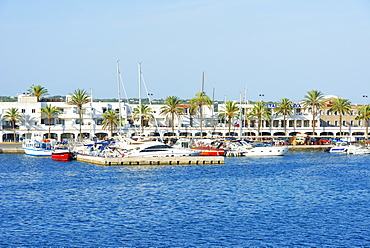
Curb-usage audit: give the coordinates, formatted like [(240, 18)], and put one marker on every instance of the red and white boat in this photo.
[(62, 153), (208, 151), (206, 147)]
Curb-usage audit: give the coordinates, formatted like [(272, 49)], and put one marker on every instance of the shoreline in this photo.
[(10, 147)]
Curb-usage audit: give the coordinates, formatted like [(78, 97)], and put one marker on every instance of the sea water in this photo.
[(307, 199)]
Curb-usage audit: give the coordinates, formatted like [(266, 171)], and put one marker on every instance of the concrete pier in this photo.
[(10, 147), (315, 148), (152, 161)]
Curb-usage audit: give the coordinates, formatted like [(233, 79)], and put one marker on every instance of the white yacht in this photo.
[(243, 148), (340, 147), (357, 149), (157, 149)]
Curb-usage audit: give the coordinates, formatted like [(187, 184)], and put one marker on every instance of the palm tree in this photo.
[(314, 100), (13, 115), (143, 113), (261, 112), (110, 120), (79, 98), (364, 114), (192, 111), (38, 91), (342, 106), (284, 107), (172, 107), (50, 112), (200, 100), (230, 111)]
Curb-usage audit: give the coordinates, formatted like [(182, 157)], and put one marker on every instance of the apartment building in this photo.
[(66, 126)]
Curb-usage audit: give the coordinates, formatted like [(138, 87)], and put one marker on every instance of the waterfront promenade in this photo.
[(10, 147)]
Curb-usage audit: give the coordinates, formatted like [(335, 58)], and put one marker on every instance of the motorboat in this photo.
[(157, 149), (357, 149), (37, 146), (340, 147), (244, 148), (205, 147)]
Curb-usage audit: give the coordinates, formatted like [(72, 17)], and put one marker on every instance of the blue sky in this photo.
[(278, 48)]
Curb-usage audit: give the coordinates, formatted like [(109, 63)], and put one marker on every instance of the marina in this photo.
[(305, 198)]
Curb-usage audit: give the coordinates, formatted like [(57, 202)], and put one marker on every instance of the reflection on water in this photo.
[(301, 199)]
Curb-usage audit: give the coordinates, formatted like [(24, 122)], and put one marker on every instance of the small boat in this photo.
[(36, 146), (340, 147), (208, 151), (205, 147), (357, 149), (62, 152)]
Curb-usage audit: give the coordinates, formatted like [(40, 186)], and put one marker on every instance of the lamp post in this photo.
[(261, 96), (365, 97)]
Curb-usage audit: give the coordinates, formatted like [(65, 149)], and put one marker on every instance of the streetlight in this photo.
[(365, 97), (261, 96)]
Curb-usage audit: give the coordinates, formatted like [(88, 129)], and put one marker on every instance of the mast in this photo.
[(203, 81), (140, 114), (240, 115), (119, 96)]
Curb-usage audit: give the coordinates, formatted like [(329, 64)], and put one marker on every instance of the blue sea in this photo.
[(304, 199)]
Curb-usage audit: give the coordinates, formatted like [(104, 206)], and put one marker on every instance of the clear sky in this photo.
[(278, 48)]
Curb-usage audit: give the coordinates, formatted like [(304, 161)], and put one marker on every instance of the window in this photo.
[(336, 123), (99, 121), (23, 111), (78, 121), (33, 111), (60, 121), (352, 123)]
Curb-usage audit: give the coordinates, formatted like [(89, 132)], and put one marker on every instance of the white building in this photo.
[(66, 126)]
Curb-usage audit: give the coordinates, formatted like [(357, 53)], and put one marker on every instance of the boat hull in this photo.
[(209, 151), (62, 156), (266, 151), (38, 152)]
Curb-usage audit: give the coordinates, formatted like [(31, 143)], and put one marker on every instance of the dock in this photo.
[(312, 148), (151, 160), (10, 147)]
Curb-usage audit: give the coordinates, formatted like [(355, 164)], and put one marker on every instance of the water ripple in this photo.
[(303, 199)]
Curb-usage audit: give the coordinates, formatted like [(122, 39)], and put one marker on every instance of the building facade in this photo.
[(66, 125)]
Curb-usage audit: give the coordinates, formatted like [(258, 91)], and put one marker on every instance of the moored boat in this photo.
[(340, 147), (357, 149), (62, 153), (244, 148), (159, 149), (205, 147), (36, 146)]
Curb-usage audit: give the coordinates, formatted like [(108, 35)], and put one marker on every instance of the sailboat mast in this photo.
[(203, 81), (140, 114), (119, 96)]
